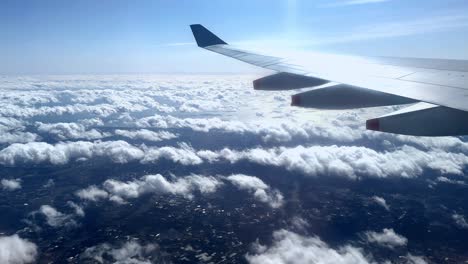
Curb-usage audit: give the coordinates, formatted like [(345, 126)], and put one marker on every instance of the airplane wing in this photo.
[(437, 88)]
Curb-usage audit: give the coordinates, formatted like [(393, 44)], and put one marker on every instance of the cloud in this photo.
[(282, 131), (119, 191), (78, 209), (261, 191), (415, 259), (130, 252), (10, 185), (460, 221), (92, 193), (55, 218), (50, 183), (348, 161), (289, 247), (67, 131), (17, 137), (381, 201), (447, 180), (15, 250), (387, 238), (64, 152), (145, 134), (184, 155)]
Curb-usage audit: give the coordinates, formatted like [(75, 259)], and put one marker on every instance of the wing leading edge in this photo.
[(367, 82)]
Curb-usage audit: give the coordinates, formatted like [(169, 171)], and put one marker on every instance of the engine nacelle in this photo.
[(342, 96), (286, 81)]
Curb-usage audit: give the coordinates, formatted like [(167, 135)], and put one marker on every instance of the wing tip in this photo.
[(204, 37)]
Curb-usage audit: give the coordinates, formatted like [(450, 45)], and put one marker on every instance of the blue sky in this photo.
[(53, 36)]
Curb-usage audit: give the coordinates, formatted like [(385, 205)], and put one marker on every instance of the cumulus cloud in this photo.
[(50, 183), (415, 259), (119, 191), (78, 209), (92, 193), (64, 152), (145, 134), (15, 250), (344, 128), (260, 190), (381, 201), (386, 238), (447, 180), (10, 184), (276, 131), (55, 218), (17, 137), (348, 161), (460, 221), (130, 252), (289, 247), (184, 155), (67, 131)]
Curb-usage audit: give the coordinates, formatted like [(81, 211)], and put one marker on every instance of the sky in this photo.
[(105, 37)]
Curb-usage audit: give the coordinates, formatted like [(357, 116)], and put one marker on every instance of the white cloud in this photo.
[(381, 201), (299, 223), (92, 193), (131, 252), (447, 180), (415, 259), (292, 248), (260, 190), (460, 221), (347, 161), (50, 183), (119, 191), (78, 209), (64, 152), (386, 238), (67, 131), (184, 155), (11, 184), (269, 130), (145, 134), (15, 250), (17, 137), (55, 218)]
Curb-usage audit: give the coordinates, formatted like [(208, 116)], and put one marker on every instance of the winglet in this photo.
[(204, 37)]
